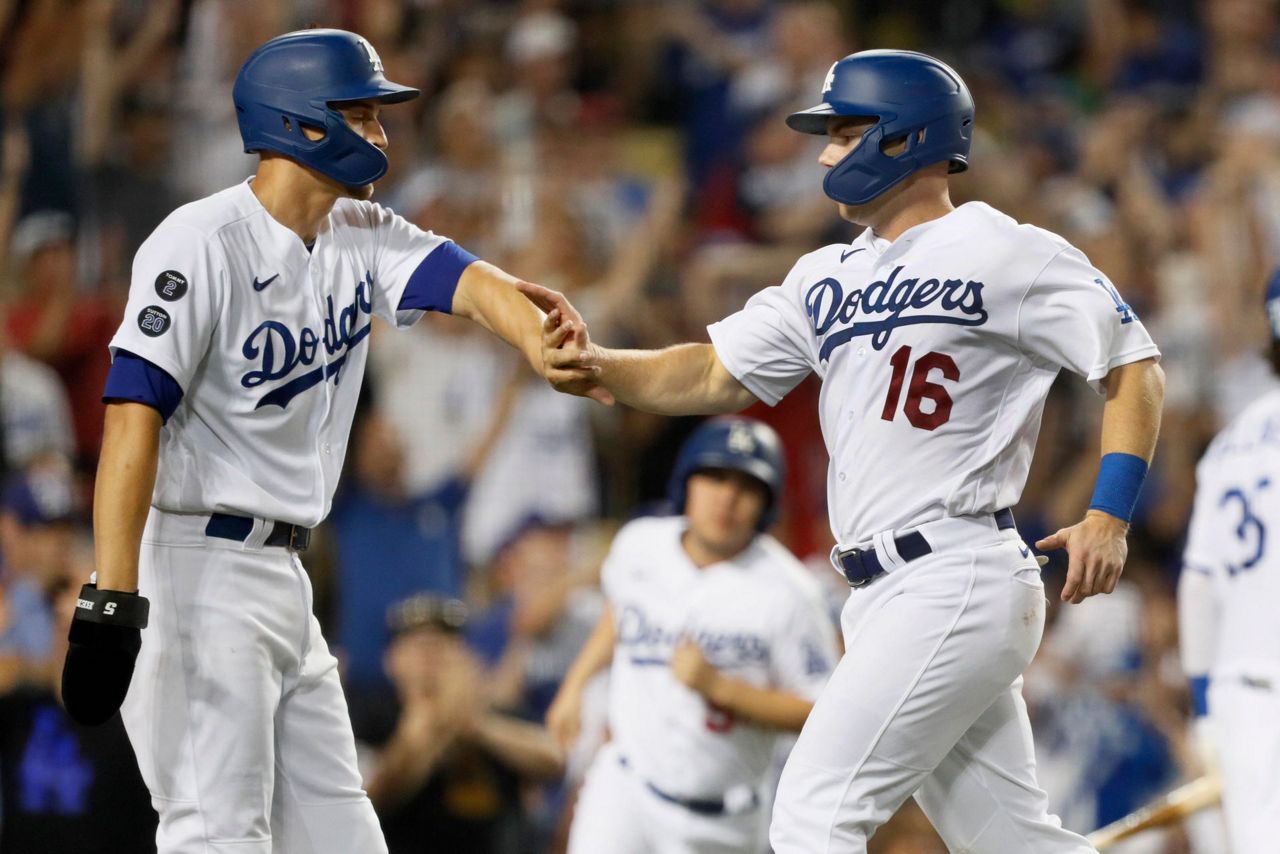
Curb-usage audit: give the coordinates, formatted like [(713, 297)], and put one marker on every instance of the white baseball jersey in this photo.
[(268, 342), (1232, 541), (936, 352), (1228, 597), (758, 617)]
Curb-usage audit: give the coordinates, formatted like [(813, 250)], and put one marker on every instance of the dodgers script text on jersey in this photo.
[(757, 617), (274, 339), (936, 351)]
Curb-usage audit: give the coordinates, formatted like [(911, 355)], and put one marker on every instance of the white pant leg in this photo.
[(225, 625), (1246, 727), (983, 797), (617, 813), (320, 806), (711, 834), (929, 648), (609, 814)]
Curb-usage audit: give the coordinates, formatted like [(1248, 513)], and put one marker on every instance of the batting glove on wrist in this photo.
[(106, 634)]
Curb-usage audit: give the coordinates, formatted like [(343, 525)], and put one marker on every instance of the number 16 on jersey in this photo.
[(921, 388)]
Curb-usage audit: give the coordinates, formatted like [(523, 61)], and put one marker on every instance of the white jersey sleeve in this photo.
[(769, 345), (406, 257), (1073, 317), (175, 300), (613, 570)]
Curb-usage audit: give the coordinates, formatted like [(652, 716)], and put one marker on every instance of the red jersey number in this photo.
[(920, 388), (719, 719)]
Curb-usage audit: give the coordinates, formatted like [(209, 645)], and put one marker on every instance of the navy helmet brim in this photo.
[(385, 92), (812, 120)]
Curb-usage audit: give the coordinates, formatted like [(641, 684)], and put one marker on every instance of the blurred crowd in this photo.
[(632, 154)]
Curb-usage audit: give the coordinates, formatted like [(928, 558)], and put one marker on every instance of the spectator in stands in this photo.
[(36, 508), (446, 769), (391, 543), (57, 319)]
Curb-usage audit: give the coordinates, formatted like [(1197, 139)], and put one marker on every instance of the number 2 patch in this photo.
[(154, 321), (171, 285)]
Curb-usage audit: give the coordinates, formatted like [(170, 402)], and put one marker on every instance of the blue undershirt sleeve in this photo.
[(135, 379), (432, 283)]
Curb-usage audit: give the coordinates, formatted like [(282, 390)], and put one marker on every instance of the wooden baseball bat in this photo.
[(1175, 806)]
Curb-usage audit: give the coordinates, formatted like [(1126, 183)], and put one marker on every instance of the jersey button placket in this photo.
[(325, 448)]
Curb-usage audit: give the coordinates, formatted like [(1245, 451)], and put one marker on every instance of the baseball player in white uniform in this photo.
[(937, 333), (716, 640), (1228, 602), (233, 385)]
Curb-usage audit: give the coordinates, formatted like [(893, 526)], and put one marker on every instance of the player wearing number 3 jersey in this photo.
[(937, 334), (1228, 599)]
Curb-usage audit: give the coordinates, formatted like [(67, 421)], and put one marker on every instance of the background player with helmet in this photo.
[(234, 382), (937, 333), (718, 641), (1228, 599)]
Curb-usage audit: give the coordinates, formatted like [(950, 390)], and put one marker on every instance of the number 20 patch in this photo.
[(154, 321)]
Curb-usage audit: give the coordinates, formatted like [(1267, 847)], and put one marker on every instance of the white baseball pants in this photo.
[(235, 711), (927, 701), (1246, 732), (617, 813)]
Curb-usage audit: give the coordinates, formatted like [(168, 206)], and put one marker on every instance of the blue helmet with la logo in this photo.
[(922, 110), (1271, 300), (295, 81), (734, 443)]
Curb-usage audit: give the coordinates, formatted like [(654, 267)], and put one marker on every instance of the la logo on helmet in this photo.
[(831, 78), (374, 59), (741, 440)]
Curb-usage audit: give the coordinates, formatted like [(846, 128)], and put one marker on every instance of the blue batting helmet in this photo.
[(1271, 299), (294, 81), (738, 444), (916, 100)]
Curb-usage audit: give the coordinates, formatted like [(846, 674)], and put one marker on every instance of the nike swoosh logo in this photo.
[(1026, 552), (844, 255), (257, 286)]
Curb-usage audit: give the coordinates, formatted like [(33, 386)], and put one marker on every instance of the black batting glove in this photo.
[(106, 634)]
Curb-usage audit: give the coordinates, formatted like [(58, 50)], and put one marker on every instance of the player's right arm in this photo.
[(759, 353), (174, 302), (564, 716), (1199, 615), (685, 379), (122, 491)]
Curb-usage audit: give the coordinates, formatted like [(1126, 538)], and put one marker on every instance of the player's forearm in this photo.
[(686, 379), (596, 654), (1131, 416), (1197, 621), (405, 763), (122, 491), (525, 748), (764, 706), (488, 295)]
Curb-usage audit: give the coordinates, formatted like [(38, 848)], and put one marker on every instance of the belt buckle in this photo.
[(855, 555), (299, 538)]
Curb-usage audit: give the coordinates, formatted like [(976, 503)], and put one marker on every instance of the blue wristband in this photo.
[(1120, 479), (1199, 695)]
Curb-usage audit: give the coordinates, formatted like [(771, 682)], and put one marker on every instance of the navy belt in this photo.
[(862, 566), (701, 806), (230, 527)]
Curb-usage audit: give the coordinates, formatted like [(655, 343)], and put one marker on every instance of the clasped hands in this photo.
[(570, 361)]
